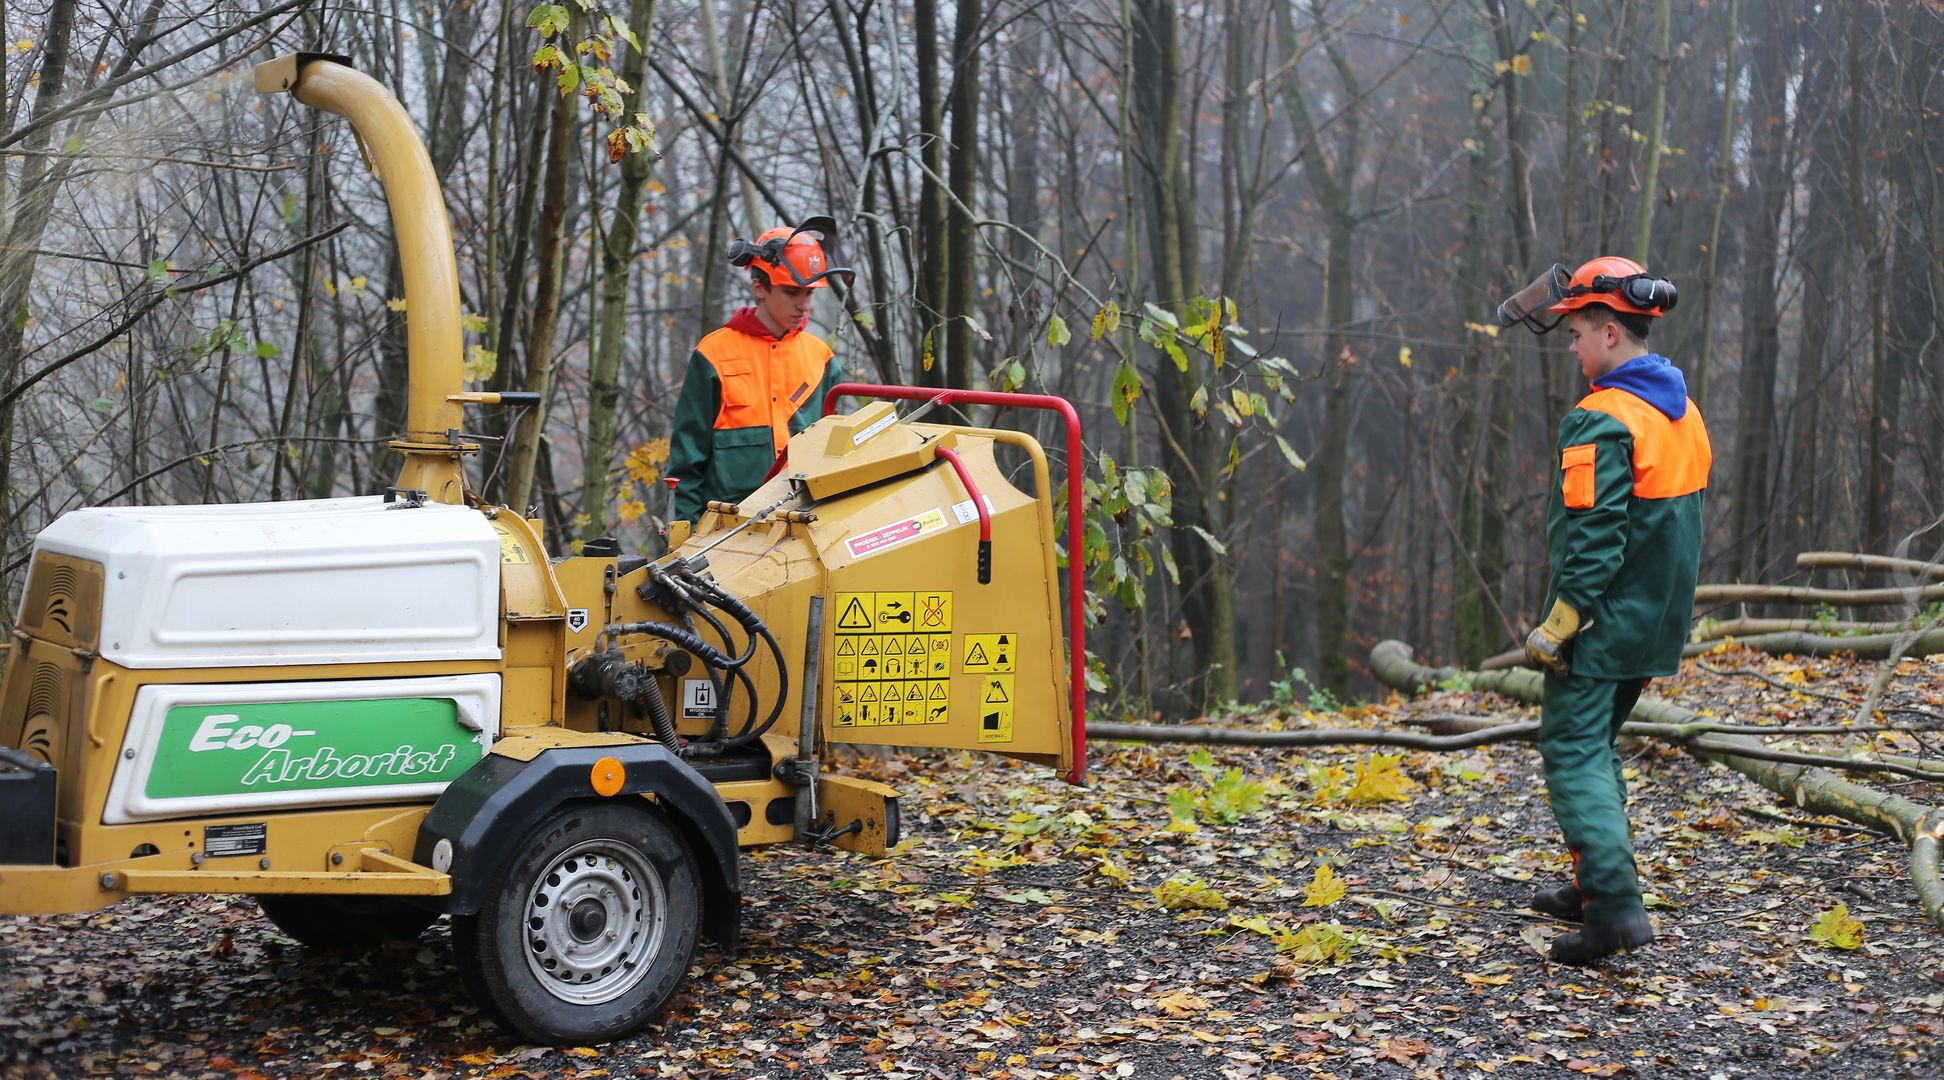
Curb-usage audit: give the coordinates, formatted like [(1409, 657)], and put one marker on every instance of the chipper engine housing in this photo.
[(369, 712)]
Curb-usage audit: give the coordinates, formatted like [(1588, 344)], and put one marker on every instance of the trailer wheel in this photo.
[(345, 922), (586, 934)]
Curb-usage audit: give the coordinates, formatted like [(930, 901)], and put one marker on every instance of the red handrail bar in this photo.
[(978, 503), (1076, 583)]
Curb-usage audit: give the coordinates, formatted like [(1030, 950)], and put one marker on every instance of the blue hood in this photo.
[(1651, 379)]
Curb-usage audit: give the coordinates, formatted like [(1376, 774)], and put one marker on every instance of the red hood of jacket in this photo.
[(746, 321)]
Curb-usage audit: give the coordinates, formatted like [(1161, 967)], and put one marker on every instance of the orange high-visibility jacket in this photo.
[(746, 392)]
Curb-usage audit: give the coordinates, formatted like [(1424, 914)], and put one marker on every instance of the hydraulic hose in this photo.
[(658, 716)]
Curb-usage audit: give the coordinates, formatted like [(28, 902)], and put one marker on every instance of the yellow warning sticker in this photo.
[(511, 549), (892, 659), (990, 652), (934, 611), (854, 612), (893, 611), (996, 709)]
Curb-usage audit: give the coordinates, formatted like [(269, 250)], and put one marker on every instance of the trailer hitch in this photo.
[(826, 830)]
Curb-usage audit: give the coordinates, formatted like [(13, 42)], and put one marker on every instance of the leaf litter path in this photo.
[(1019, 932)]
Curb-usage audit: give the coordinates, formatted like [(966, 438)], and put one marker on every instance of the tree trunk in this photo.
[(33, 203), (1208, 601), (1768, 188), (550, 252), (1656, 129), (617, 256), (931, 238), (961, 241)]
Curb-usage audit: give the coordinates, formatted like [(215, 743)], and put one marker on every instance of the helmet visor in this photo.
[(1528, 303), (811, 273)]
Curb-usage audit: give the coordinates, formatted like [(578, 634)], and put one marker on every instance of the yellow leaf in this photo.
[(1837, 930), (1180, 1004), (1501, 67), (356, 287), (1482, 328), (1404, 355), (1324, 889), (1522, 65), (1380, 780), (395, 303), (631, 510), (481, 362), (657, 187), (645, 461), (472, 324)]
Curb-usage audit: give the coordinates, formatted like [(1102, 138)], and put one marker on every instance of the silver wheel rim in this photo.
[(593, 920)]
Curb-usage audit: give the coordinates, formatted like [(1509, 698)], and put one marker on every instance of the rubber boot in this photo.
[(1563, 902), (1601, 938)]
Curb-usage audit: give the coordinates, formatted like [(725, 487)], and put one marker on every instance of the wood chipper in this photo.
[(369, 712)]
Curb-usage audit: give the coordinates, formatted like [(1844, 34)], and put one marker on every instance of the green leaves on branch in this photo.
[(580, 64)]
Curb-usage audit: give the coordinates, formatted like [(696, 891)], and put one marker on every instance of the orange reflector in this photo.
[(606, 776)]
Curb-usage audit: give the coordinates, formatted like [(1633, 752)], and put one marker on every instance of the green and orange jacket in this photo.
[(747, 391), (1623, 523)]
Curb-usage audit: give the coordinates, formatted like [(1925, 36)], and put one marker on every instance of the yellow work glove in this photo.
[(1547, 640)]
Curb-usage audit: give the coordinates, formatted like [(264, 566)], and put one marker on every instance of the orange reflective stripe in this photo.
[(1670, 457), (1577, 463)]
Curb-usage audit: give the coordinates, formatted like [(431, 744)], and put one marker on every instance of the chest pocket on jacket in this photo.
[(742, 394), (1576, 463)]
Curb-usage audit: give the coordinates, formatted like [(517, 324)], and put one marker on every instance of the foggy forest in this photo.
[(1259, 244)]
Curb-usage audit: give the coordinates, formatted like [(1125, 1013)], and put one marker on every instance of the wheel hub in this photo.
[(592, 921)]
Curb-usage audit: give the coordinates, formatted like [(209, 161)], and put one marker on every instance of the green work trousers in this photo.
[(1579, 725)]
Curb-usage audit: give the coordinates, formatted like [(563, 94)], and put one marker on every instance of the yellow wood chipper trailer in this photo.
[(370, 712)]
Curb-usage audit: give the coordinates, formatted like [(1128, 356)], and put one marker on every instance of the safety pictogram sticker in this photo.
[(892, 611), (996, 709), (990, 652), (892, 658), (934, 611)]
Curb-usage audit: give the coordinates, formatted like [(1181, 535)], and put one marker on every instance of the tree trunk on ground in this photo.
[(1813, 789)]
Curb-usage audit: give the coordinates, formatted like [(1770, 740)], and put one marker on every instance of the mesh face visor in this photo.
[(823, 230), (1529, 303)]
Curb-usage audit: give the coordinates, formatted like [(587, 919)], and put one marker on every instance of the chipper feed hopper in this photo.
[(369, 712)]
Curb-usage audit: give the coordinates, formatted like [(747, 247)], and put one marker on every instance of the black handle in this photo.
[(985, 562), (519, 397)]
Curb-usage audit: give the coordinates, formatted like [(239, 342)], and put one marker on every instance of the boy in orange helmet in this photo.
[(761, 377), (1623, 533)]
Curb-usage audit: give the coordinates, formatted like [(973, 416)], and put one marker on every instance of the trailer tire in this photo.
[(343, 923), (590, 928)]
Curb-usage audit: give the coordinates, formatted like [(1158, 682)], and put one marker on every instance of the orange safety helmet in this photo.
[(1619, 283), (801, 256)]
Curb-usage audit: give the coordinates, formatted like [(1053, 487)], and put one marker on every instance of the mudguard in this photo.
[(486, 812)]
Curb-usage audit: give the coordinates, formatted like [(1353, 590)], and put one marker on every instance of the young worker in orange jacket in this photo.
[(1623, 533), (761, 377)]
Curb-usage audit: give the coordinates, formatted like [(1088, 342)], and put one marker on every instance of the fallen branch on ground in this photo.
[(1918, 827)]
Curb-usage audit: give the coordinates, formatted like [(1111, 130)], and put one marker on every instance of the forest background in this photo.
[(1257, 241)]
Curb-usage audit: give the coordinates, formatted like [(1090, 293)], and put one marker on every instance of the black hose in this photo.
[(658, 716)]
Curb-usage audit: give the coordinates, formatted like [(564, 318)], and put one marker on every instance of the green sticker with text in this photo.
[(280, 746)]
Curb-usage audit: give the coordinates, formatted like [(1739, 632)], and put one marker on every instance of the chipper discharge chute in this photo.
[(368, 712)]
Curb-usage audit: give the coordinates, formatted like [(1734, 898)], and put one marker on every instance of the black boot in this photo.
[(1564, 902), (1601, 938)]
